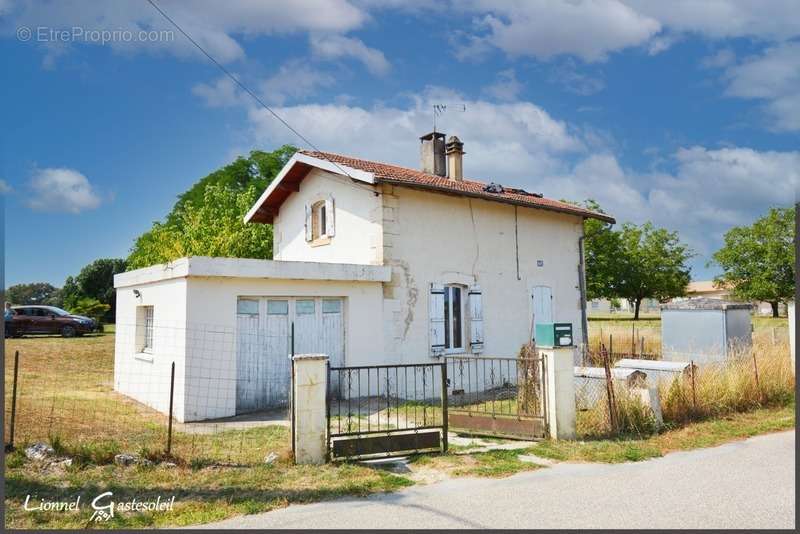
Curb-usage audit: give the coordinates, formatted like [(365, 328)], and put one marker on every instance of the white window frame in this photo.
[(449, 324), (145, 329)]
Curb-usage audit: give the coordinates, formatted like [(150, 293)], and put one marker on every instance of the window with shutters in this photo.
[(320, 222), (456, 319), (453, 318)]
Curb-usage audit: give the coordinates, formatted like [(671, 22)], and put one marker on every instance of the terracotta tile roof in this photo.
[(393, 174)]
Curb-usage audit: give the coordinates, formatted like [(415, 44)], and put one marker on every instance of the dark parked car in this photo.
[(49, 320)]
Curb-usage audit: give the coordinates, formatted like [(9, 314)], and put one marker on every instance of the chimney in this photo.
[(455, 158), (431, 153)]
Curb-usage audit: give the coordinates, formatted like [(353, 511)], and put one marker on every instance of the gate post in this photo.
[(560, 373), (309, 413)]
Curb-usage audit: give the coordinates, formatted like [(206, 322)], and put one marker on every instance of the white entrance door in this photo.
[(542, 305), (264, 344)]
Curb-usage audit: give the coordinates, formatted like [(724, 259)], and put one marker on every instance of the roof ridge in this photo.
[(410, 176)]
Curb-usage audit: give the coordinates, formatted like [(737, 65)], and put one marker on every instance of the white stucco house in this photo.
[(373, 264)]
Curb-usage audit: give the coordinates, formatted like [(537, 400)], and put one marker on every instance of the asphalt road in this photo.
[(746, 484)]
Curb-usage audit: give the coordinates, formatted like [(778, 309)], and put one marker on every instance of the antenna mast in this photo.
[(438, 109)]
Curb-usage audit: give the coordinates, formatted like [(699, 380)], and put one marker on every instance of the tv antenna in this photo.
[(438, 109)]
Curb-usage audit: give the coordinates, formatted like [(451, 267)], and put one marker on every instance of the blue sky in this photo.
[(687, 115)]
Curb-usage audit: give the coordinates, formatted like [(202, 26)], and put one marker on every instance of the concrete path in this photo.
[(746, 484)]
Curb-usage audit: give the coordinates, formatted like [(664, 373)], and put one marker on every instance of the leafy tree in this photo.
[(651, 264), (95, 281), (207, 219), (35, 293), (602, 247), (90, 307), (634, 262), (758, 260), (213, 227)]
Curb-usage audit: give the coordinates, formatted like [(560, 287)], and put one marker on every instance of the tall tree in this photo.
[(602, 248), (35, 293), (634, 262), (207, 218), (651, 264), (757, 261), (213, 227)]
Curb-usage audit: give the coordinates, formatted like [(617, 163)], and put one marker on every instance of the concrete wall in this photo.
[(358, 236), (145, 376), (211, 337), (434, 238)]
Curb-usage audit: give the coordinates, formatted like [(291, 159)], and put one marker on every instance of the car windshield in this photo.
[(57, 311)]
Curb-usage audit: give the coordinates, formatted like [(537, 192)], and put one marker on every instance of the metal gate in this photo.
[(379, 411), (503, 397)]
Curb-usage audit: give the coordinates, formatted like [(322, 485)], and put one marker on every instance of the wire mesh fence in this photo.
[(608, 403), (98, 396)]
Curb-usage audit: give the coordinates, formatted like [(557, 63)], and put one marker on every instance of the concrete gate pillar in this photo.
[(559, 365), (309, 414)]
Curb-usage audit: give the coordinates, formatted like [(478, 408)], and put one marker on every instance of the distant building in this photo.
[(607, 306), (707, 289)]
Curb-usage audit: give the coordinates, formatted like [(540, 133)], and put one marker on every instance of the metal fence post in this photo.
[(444, 406), (694, 388), (13, 403), (755, 371), (171, 398), (291, 393), (612, 416)]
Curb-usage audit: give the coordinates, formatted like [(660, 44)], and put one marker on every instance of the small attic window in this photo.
[(318, 222)]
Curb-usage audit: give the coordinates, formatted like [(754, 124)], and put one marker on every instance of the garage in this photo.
[(263, 334)]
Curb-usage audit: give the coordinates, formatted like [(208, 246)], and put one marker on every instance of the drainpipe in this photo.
[(582, 286)]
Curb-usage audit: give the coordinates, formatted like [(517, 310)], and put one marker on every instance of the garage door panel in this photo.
[(264, 344)]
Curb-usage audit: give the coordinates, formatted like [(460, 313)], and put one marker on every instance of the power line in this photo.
[(245, 88)]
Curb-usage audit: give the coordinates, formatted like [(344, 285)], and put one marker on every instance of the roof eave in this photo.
[(576, 212), (300, 158)]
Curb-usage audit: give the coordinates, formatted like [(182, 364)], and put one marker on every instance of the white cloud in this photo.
[(62, 190), (295, 80), (720, 19), (567, 75), (544, 28), (222, 93), (506, 87), (591, 29), (217, 26), (718, 60), (708, 192), (4, 187), (774, 77), (338, 46), (502, 138)]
